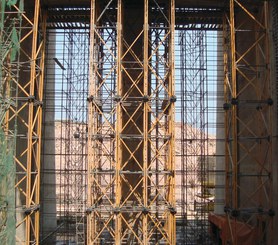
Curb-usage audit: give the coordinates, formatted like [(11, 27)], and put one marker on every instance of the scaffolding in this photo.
[(131, 125), (248, 124), (198, 83), (73, 131), (21, 117), (69, 117), (107, 103), (133, 90), (193, 140)]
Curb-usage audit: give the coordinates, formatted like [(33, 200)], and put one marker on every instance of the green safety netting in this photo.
[(15, 44), (7, 191), (9, 49), (11, 2)]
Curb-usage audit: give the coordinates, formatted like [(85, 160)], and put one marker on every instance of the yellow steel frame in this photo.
[(248, 120), (122, 202), (119, 124), (28, 113)]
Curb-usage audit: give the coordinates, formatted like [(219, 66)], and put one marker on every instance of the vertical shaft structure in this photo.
[(249, 194), (103, 173), (131, 184), (130, 132), (25, 117), (28, 113)]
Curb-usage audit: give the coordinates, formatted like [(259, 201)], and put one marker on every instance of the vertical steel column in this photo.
[(118, 228), (171, 161), (145, 120), (234, 108), (226, 43), (91, 223), (30, 159), (234, 133), (39, 114)]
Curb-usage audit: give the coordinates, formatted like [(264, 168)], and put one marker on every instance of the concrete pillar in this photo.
[(48, 178), (132, 25), (133, 19)]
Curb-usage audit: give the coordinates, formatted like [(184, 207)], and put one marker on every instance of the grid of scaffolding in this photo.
[(69, 76), (133, 152), (196, 87), (22, 77)]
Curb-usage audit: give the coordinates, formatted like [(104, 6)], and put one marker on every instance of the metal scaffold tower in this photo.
[(132, 121), (21, 117), (193, 141), (248, 123), (71, 131), (131, 124), (29, 116)]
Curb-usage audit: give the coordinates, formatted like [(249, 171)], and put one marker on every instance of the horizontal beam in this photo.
[(74, 18)]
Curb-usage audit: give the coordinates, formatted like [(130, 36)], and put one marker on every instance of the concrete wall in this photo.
[(133, 20)]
